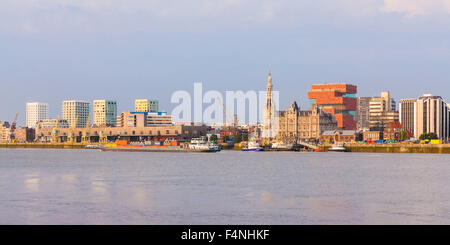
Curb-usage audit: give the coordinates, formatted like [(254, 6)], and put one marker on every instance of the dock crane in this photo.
[(225, 119), (12, 127), (224, 123)]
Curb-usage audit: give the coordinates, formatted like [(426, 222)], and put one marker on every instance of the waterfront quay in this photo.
[(44, 145), (350, 147), (398, 148)]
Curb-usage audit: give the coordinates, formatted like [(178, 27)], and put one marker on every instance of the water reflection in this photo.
[(32, 182), (93, 187)]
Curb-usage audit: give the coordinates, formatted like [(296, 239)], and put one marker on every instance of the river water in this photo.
[(40, 186)]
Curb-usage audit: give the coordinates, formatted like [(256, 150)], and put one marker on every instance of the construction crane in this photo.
[(12, 127), (224, 110), (55, 132), (225, 119)]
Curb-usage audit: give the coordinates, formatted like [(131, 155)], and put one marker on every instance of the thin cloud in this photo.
[(59, 17), (417, 7)]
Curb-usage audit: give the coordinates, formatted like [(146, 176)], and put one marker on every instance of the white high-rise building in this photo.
[(105, 113), (36, 111), (431, 116), (75, 109), (427, 114)]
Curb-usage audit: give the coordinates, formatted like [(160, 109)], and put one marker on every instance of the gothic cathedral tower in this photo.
[(268, 110)]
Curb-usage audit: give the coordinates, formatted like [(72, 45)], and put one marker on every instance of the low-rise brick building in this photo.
[(372, 135), (340, 136), (391, 130)]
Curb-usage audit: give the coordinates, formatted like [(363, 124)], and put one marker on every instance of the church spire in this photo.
[(269, 79), (268, 109)]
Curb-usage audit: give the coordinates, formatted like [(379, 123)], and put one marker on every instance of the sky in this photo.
[(55, 50)]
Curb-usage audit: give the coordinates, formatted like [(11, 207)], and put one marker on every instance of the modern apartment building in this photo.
[(4, 131), (76, 113), (146, 105), (338, 99), (143, 119), (105, 113), (35, 112)]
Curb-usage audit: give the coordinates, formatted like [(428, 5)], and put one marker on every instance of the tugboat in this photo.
[(202, 144), (253, 146)]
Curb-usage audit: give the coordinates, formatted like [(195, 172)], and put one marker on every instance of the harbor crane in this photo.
[(225, 119), (12, 128)]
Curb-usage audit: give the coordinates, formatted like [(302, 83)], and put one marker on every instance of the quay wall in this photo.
[(398, 148), (42, 145)]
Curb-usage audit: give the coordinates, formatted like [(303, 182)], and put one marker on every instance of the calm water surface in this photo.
[(91, 187)]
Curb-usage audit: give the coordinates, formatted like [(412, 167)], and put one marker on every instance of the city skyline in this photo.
[(157, 48), (133, 108)]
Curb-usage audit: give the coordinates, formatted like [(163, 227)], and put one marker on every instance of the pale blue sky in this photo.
[(52, 50)]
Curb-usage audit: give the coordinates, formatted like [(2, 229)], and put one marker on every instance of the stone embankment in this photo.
[(398, 148)]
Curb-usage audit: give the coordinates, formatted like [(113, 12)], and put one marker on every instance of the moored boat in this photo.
[(202, 144), (338, 147), (93, 146), (282, 146), (253, 146)]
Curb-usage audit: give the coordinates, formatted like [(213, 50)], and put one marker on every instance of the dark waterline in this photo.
[(40, 186)]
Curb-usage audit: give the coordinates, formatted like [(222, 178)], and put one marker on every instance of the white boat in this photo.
[(337, 147), (253, 146), (282, 146), (202, 144)]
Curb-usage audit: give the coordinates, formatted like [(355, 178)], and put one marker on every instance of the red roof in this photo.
[(394, 125)]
